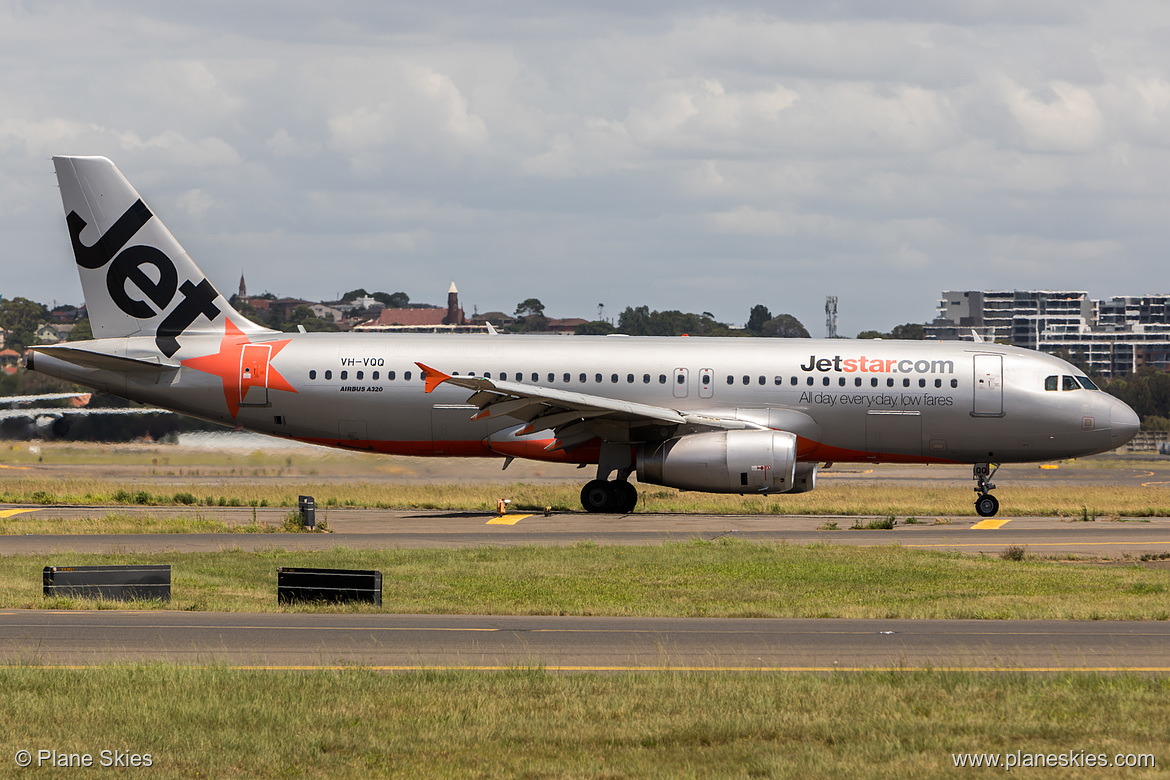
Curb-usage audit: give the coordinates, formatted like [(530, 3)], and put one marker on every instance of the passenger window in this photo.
[(406, 375), (873, 381), (360, 374), (706, 379), (613, 378), (825, 381), (375, 376), (857, 381), (905, 383), (535, 377), (390, 375), (938, 383), (890, 382), (313, 374), (779, 381), (763, 381), (794, 380), (1050, 383), (662, 379), (1068, 383), (486, 375), (810, 381), (730, 380), (519, 377), (841, 381), (597, 377), (922, 383), (328, 374), (345, 375), (630, 378), (469, 373), (582, 378), (1087, 383), (551, 377), (954, 383), (747, 380), (645, 379)]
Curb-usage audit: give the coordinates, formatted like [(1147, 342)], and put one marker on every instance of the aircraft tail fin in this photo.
[(136, 278)]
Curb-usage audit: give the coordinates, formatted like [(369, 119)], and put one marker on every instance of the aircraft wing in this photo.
[(574, 417), (64, 411)]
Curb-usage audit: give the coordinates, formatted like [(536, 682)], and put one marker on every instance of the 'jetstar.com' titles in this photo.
[(878, 365)]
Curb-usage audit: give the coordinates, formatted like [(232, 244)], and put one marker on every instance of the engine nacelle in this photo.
[(751, 461), (805, 478)]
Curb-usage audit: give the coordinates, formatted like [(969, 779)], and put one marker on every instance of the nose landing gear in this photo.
[(986, 505)]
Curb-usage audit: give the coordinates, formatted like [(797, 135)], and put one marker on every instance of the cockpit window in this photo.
[(1069, 383), (1087, 383), (1052, 383)]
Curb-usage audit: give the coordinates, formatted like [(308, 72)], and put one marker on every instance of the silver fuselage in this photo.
[(892, 401)]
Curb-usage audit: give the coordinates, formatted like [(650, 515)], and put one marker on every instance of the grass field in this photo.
[(728, 578), (829, 499), (216, 722)]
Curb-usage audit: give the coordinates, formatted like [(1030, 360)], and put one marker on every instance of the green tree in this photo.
[(353, 295), (757, 318), (530, 307), (398, 300), (595, 328), (911, 331), (303, 315), (871, 334), (784, 326), (21, 317), (82, 330)]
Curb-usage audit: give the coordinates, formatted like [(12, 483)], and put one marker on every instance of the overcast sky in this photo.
[(671, 154)]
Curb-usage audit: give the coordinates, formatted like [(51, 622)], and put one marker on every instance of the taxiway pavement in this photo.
[(383, 528), (406, 642)]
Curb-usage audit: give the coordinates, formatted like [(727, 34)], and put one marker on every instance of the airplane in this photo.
[(717, 415), (56, 422)]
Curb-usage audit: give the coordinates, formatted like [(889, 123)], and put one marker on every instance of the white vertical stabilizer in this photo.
[(136, 278)]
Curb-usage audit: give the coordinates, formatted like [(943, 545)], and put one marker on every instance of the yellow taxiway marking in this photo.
[(1147, 484), (506, 520), (11, 512), (651, 669), (21, 468), (989, 523), (1038, 544)]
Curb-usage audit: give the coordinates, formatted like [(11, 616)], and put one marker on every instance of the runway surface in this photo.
[(402, 642), (383, 528)]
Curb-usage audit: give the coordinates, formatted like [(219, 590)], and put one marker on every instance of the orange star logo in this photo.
[(243, 367)]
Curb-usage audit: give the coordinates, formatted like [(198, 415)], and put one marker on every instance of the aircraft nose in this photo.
[(1123, 422)]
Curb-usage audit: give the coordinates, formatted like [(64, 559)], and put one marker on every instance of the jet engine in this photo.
[(748, 461)]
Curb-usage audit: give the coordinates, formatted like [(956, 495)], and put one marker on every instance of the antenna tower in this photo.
[(831, 316)]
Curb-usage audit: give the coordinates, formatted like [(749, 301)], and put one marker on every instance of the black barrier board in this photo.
[(297, 584), (119, 583)]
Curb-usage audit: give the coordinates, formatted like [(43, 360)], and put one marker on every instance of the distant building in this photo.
[(420, 320), (1111, 337)]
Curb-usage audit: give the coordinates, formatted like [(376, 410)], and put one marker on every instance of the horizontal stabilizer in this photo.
[(101, 360)]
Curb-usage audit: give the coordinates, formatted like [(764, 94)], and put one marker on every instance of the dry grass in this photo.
[(728, 578), (217, 722), (829, 499)]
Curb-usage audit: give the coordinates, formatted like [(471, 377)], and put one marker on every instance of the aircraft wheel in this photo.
[(596, 496), (626, 495), (986, 506)]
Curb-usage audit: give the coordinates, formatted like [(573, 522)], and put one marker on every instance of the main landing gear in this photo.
[(986, 505), (616, 495)]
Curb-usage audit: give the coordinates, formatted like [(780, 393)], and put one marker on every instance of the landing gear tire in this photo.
[(986, 506), (627, 497), (617, 496), (596, 496)]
